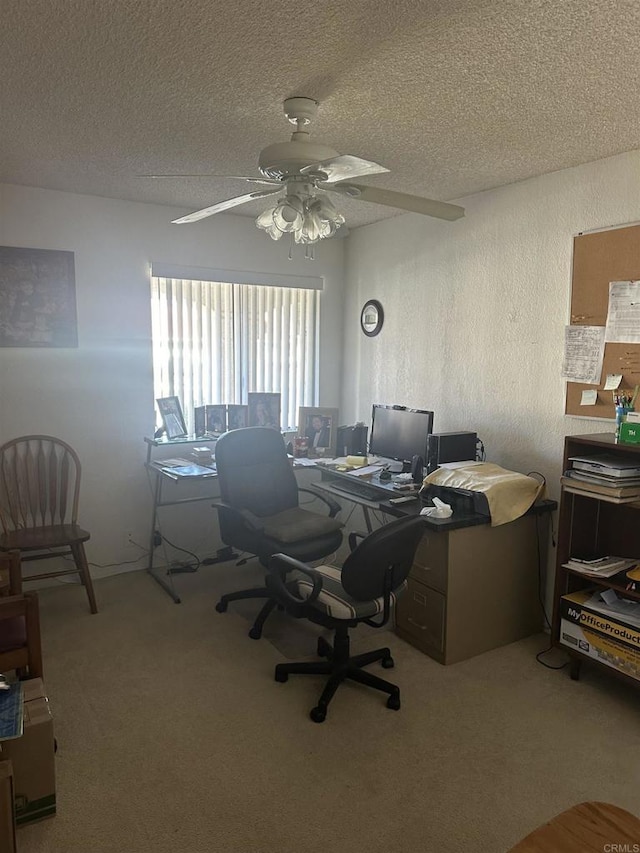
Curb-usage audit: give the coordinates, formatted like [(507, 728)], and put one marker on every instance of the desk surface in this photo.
[(457, 520)]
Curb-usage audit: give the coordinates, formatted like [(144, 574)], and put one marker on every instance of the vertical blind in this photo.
[(214, 342)]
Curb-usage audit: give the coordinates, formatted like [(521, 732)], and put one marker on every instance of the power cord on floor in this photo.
[(551, 646)]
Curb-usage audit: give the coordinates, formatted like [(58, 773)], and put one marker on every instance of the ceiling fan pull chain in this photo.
[(291, 247)]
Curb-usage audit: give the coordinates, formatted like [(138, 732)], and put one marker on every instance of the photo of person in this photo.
[(172, 417), (319, 428), (318, 432), (216, 419), (264, 410), (237, 416)]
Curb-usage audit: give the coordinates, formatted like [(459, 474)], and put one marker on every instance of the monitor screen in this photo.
[(400, 433)]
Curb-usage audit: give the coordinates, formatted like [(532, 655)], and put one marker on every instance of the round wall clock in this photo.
[(371, 318)]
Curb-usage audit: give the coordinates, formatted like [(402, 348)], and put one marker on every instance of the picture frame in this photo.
[(264, 409), (215, 419), (319, 425), (172, 417), (237, 416), (37, 298)]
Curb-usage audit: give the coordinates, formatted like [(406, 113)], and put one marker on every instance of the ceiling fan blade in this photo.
[(404, 201), (345, 167), (266, 181), (224, 205)]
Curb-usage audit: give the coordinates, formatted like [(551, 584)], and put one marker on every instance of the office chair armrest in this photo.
[(252, 521), (279, 565), (334, 506), (353, 539)]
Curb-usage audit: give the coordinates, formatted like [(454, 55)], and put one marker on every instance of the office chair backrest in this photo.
[(365, 571), (254, 471), (39, 483)]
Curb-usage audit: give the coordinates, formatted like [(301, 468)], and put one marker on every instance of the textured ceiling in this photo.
[(453, 96)]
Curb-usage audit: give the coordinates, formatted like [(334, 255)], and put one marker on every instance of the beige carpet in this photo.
[(174, 738)]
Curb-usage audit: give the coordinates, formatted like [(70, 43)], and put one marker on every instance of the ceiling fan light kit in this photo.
[(307, 171)]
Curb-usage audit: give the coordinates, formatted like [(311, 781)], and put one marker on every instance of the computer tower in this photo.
[(352, 440), (450, 447)]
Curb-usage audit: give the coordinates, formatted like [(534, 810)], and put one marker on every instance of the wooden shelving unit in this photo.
[(589, 526)]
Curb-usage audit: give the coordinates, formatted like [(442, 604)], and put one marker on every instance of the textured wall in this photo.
[(99, 397), (475, 310)]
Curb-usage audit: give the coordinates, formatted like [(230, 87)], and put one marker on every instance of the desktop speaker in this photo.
[(417, 469), (450, 447), (352, 440)]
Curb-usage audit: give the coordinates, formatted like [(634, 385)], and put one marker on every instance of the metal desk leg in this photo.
[(167, 585), (367, 518)]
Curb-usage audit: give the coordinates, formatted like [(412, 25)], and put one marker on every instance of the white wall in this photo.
[(475, 311), (99, 397)]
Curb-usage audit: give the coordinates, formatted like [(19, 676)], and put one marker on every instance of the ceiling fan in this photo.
[(308, 172)]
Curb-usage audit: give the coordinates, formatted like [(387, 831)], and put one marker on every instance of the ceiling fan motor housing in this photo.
[(283, 159)]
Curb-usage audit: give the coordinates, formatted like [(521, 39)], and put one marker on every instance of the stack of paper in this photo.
[(603, 567)]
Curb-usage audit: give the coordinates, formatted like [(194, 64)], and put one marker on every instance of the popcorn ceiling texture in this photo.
[(454, 96)]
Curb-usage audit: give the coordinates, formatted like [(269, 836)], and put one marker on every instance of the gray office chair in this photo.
[(364, 590), (259, 509)]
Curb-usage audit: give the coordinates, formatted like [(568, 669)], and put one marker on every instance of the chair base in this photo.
[(340, 667), (260, 592)]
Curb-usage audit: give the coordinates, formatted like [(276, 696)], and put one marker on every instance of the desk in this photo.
[(181, 484), (472, 587)]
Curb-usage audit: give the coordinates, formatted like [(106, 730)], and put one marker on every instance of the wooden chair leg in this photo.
[(34, 642), (82, 565)]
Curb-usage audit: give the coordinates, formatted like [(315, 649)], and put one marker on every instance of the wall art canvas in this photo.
[(37, 298)]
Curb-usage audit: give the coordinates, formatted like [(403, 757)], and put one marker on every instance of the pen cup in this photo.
[(621, 416)]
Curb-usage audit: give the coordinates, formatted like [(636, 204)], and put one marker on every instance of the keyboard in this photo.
[(359, 490)]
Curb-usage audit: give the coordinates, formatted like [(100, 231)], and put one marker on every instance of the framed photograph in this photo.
[(172, 417), (215, 419), (237, 416), (37, 298), (199, 421), (264, 410), (320, 428)]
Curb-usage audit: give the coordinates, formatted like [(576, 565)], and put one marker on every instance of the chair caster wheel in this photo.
[(221, 606), (280, 676), (255, 633), (318, 714), (388, 663), (393, 702)]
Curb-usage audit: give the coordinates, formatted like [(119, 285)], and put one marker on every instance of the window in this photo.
[(214, 341)]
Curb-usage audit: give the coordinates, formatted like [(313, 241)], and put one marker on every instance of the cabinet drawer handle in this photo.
[(417, 624)]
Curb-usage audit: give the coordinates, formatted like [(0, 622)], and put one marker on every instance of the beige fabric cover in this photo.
[(508, 493)]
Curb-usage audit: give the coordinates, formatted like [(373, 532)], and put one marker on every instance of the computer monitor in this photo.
[(400, 433)]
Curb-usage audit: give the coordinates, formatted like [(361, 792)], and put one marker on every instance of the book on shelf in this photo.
[(601, 486), (601, 495), (603, 567)]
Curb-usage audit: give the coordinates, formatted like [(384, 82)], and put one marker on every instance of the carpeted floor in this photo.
[(173, 736)]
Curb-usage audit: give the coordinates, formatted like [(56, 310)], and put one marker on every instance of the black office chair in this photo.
[(366, 587), (259, 510)]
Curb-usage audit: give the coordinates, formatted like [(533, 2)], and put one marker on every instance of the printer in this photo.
[(485, 489)]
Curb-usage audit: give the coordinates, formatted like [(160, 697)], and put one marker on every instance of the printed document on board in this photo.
[(623, 318), (583, 354)]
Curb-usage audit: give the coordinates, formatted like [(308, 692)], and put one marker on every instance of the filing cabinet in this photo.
[(472, 589)]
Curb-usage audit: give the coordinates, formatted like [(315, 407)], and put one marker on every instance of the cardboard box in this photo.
[(609, 652), (32, 757), (574, 609), (7, 817)]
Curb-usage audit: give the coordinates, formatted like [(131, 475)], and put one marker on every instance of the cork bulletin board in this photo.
[(598, 258)]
